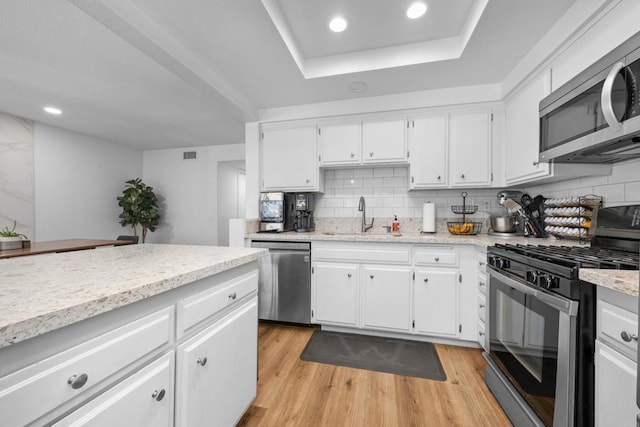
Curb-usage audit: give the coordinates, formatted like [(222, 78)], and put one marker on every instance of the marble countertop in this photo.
[(481, 240), (624, 281), (41, 293)]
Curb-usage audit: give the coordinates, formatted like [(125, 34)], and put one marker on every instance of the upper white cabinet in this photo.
[(470, 149), (522, 133), (384, 141), (362, 142), (290, 159), (428, 150), (340, 143)]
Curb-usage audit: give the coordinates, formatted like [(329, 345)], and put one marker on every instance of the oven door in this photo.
[(532, 340)]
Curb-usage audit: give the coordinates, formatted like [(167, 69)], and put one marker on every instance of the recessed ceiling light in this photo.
[(358, 86), (338, 24), (416, 10), (53, 110)]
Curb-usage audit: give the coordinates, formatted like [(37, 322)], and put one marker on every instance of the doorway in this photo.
[(231, 196)]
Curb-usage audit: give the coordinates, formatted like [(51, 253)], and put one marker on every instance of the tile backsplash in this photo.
[(385, 190)]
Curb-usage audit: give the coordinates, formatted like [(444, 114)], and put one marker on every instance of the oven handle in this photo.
[(559, 303)]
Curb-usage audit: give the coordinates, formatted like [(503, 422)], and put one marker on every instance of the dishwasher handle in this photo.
[(271, 245)]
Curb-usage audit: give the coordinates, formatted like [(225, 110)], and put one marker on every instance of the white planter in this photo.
[(7, 243)]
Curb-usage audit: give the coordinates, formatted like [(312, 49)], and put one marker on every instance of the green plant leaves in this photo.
[(139, 207)]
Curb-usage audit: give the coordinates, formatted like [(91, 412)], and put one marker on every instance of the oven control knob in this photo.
[(532, 276), (491, 260), (502, 263), (549, 281)]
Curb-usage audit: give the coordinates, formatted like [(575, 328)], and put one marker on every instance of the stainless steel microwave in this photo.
[(595, 117)]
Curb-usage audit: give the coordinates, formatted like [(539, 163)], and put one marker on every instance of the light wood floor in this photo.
[(292, 392)]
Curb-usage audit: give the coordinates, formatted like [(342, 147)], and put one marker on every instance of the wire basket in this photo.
[(464, 228), (464, 209)]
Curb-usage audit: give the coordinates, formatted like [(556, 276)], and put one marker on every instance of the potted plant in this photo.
[(139, 207), (9, 239)]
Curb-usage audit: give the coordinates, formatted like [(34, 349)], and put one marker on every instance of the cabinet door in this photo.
[(339, 144), (522, 130), (143, 399), (470, 149), (615, 388), (436, 302), (384, 141), (289, 159), (216, 371), (428, 159), (336, 293), (387, 298)]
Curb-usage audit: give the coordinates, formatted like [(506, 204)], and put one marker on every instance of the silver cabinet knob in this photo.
[(627, 337), (307, 180), (535, 163), (438, 177), (353, 155), (232, 295), (349, 275), (77, 381), (481, 305), (426, 279), (480, 333), (462, 176), (437, 258), (371, 276), (482, 284), (481, 263), (158, 395), (202, 361), (371, 154)]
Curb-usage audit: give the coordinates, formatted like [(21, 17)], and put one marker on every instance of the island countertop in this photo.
[(42, 293)]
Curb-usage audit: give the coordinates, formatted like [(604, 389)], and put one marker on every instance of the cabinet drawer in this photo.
[(434, 257), (614, 325), (482, 304), (482, 283), (31, 392), (144, 398), (362, 253), (199, 307)]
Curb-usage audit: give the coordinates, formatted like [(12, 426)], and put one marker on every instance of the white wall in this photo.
[(189, 191), (77, 180), (231, 197)]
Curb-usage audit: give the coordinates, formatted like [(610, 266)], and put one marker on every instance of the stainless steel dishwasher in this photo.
[(284, 286)]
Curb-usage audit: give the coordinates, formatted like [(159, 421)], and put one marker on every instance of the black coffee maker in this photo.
[(304, 212)]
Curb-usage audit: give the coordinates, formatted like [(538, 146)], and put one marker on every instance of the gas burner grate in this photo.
[(578, 256)]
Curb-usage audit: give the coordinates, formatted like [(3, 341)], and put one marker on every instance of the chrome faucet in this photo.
[(362, 208)]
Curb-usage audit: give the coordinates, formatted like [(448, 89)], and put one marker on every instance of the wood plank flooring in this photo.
[(292, 392)]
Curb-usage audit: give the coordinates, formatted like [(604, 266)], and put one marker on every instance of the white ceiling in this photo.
[(169, 73)]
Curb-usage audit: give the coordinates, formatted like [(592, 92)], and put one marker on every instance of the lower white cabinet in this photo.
[(387, 298), (436, 302), (615, 359), (216, 371), (143, 399), (336, 293), (427, 290)]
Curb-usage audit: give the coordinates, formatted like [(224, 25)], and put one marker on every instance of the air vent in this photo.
[(189, 155)]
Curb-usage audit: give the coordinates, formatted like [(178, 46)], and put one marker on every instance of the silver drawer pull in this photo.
[(481, 305), (349, 275), (202, 361), (627, 337), (426, 279), (437, 258), (481, 333), (371, 276), (77, 381), (482, 284), (232, 295), (158, 395), (353, 155)]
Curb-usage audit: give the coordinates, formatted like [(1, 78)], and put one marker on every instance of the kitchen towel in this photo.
[(429, 218)]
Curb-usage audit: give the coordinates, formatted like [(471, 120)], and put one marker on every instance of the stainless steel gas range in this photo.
[(542, 321)]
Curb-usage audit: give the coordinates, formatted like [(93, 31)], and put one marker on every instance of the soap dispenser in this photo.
[(395, 225)]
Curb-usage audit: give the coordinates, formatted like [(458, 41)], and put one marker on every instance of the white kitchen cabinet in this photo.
[(143, 399), (616, 359), (483, 280), (384, 141), (387, 297), (340, 143), (290, 159), (428, 152), (336, 293), (216, 370), (522, 133), (436, 302), (470, 149)]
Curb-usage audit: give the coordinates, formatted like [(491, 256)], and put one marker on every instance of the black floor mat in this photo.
[(391, 355)]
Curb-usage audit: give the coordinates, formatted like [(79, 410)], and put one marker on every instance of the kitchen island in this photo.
[(119, 334)]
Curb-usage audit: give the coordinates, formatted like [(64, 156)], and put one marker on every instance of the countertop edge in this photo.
[(624, 281)]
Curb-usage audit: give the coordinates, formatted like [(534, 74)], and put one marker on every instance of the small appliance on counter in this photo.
[(277, 211), (304, 212), (506, 224), (526, 215)]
